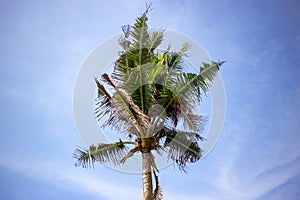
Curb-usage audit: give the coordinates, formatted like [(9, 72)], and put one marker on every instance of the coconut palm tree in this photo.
[(150, 94)]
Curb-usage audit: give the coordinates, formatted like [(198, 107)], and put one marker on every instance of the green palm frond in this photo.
[(160, 58), (141, 53), (132, 62), (208, 72), (180, 108), (169, 132), (138, 50), (123, 65), (188, 84), (191, 83), (101, 153), (156, 38), (174, 60), (158, 73), (140, 40), (186, 89), (139, 86)]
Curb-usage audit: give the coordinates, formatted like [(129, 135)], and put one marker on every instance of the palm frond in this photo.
[(139, 86), (103, 106), (124, 41), (153, 163), (83, 158), (169, 132), (123, 65), (208, 72), (193, 122), (160, 58), (126, 115), (126, 30), (156, 38), (172, 108), (158, 73), (182, 147), (174, 60), (140, 40), (143, 57), (180, 108), (101, 153), (129, 154), (186, 88)]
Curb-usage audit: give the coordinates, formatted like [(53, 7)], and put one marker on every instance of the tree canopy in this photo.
[(151, 92)]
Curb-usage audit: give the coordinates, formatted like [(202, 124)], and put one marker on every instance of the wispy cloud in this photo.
[(243, 174), (74, 179), (234, 185), (231, 183)]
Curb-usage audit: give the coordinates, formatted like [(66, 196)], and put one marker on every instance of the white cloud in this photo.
[(230, 184), (241, 182), (74, 179)]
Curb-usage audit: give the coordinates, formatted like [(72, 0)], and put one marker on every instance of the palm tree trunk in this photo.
[(147, 176)]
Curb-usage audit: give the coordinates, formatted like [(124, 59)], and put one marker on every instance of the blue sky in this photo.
[(43, 45)]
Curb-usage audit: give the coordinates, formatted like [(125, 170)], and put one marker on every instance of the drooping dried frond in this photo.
[(157, 194), (103, 106), (129, 154), (101, 90), (153, 163), (125, 115)]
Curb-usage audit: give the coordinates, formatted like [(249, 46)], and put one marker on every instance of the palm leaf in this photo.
[(183, 147), (156, 38), (123, 41), (129, 154), (141, 53), (126, 115), (103, 106), (139, 85), (141, 39), (208, 73), (102, 153), (169, 132), (174, 60), (193, 122), (186, 87)]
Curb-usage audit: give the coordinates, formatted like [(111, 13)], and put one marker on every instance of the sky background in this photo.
[(43, 45)]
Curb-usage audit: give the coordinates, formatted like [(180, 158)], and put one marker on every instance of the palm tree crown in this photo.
[(150, 94)]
